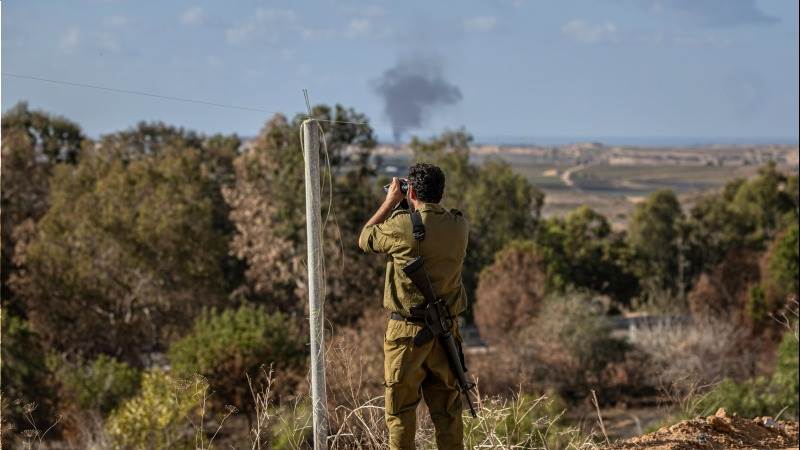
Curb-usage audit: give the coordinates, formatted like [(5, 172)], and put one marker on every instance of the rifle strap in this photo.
[(417, 227), (425, 335)]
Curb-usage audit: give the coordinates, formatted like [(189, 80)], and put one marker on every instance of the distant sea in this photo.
[(637, 141)]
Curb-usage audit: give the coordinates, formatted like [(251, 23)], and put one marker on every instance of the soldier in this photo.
[(411, 372)]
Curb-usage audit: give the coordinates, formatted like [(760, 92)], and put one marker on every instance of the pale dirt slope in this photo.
[(719, 431)]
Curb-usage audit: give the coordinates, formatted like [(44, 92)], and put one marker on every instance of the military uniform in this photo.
[(411, 372)]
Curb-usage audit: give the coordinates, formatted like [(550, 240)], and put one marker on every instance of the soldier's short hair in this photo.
[(428, 182)]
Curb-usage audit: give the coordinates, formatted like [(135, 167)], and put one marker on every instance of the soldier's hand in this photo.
[(395, 194)]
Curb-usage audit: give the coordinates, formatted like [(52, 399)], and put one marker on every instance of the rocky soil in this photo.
[(719, 431)]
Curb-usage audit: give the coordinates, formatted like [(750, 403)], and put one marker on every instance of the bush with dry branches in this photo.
[(509, 292), (703, 351), (723, 291)]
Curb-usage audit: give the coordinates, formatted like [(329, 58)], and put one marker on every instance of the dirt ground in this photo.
[(719, 431)]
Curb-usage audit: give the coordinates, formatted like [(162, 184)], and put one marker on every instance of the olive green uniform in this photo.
[(415, 372)]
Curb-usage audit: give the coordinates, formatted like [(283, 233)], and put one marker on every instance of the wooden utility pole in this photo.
[(315, 281)]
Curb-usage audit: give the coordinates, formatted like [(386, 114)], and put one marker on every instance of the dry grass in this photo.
[(34, 436), (356, 414), (515, 421), (789, 316)]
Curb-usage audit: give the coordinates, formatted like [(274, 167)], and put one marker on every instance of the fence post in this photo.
[(315, 281)]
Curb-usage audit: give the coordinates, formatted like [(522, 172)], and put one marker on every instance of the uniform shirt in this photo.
[(443, 249)]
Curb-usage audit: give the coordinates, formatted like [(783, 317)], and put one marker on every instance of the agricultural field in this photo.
[(612, 180), (615, 190), (641, 180)]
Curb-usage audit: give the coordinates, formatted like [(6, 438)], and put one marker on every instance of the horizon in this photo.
[(521, 140)]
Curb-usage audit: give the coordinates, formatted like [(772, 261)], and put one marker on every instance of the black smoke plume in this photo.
[(411, 90)]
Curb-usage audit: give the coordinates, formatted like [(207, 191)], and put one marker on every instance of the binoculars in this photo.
[(403, 186)]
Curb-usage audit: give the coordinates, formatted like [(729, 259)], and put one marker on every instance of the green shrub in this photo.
[(761, 395), (108, 266), (586, 335), (99, 385), (582, 251), (24, 372), (157, 418), (224, 345)]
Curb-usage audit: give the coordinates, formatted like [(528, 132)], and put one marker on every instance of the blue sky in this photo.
[(523, 69)]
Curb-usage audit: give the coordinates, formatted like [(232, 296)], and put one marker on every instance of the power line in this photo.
[(141, 93), (162, 97)]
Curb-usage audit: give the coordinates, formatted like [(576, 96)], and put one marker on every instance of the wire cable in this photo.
[(141, 93), (160, 96)]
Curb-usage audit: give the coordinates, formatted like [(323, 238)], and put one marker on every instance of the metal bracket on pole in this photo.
[(315, 281)]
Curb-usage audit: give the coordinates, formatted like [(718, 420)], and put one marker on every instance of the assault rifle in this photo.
[(438, 323)]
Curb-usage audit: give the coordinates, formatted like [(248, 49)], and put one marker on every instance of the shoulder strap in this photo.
[(417, 227)]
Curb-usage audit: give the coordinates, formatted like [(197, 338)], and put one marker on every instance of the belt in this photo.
[(397, 316)]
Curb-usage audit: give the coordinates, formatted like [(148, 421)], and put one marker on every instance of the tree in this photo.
[(354, 280), (716, 227), (780, 275), (744, 219), (510, 291), (130, 248), (53, 138), (746, 214), (500, 206), (349, 144), (581, 251), (268, 209), (657, 237), (34, 142), (782, 261), (764, 202)]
